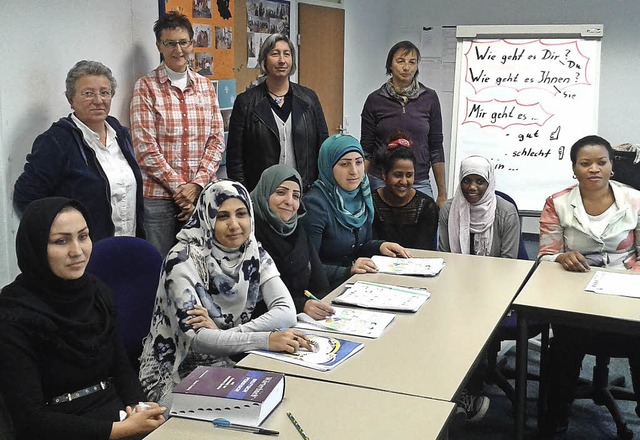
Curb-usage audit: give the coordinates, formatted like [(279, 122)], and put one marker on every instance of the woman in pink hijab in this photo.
[(476, 220)]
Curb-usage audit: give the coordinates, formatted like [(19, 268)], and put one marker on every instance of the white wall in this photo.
[(366, 44), (43, 40)]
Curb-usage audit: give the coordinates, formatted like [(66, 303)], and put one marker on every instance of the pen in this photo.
[(224, 423), (298, 427), (310, 295)]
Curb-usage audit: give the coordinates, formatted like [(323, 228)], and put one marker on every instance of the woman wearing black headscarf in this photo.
[(278, 206), (63, 370)]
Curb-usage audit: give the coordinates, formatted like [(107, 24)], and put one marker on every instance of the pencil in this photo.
[(310, 295), (298, 427)]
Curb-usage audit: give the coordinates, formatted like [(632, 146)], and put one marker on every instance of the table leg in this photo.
[(522, 354)]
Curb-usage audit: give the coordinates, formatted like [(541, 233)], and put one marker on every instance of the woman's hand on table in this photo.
[(394, 250), (317, 310), (363, 265), (288, 340), (139, 421), (573, 261)]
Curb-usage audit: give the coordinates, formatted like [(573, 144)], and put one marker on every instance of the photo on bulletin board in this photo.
[(212, 23), (265, 17)]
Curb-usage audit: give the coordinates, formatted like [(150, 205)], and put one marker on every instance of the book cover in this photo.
[(240, 396), (328, 353), (358, 322)]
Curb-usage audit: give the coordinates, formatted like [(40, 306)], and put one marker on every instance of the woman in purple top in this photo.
[(406, 104)]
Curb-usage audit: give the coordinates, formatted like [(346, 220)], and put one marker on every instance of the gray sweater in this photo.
[(506, 230)]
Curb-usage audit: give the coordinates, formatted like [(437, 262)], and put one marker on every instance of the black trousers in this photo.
[(568, 348)]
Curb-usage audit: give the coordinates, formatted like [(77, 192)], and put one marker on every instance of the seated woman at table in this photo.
[(403, 214), (595, 223), (64, 372), (477, 221), (209, 285), (277, 204), (340, 212)]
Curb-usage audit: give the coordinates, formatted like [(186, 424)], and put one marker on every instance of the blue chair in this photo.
[(130, 266)]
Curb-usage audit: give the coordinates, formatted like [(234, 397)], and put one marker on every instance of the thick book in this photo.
[(243, 397), (328, 353), (357, 322), (426, 267), (383, 296)]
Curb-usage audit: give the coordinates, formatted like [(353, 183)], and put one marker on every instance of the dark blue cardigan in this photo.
[(62, 164)]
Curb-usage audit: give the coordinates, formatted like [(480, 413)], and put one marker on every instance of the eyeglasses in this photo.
[(90, 95), (172, 44)]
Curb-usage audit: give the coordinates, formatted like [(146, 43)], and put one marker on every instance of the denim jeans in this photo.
[(424, 186), (161, 224)]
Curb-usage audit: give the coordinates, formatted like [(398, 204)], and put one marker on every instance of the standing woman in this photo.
[(594, 223), (403, 214), (477, 221), (87, 156), (340, 213), (209, 285), (404, 103), (64, 373), (278, 207), (276, 121)]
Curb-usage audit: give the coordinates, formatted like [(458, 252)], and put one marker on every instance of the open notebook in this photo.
[(358, 322), (383, 297)]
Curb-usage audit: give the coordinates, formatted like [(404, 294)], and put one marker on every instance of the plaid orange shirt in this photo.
[(178, 137)]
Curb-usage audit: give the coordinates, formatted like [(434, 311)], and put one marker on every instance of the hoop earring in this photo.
[(612, 173), (574, 176)]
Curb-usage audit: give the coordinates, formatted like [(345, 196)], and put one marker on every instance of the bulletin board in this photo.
[(522, 96), (213, 35)]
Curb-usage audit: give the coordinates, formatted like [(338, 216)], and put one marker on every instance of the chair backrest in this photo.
[(522, 250), (131, 268)]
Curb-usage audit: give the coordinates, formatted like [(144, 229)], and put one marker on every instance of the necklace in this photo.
[(279, 99)]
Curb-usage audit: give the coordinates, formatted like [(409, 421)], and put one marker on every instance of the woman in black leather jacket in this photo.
[(276, 121)]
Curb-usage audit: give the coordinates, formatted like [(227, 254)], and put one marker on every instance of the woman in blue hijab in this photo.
[(340, 212)]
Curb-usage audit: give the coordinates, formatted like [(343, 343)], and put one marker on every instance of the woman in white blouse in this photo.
[(87, 156)]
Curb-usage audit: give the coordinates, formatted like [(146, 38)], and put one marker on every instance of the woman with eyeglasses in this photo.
[(87, 156), (177, 131)]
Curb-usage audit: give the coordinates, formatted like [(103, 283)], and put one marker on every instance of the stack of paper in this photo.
[(427, 267), (349, 322), (383, 296), (612, 283)]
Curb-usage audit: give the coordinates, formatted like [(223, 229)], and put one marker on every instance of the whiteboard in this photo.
[(522, 96)]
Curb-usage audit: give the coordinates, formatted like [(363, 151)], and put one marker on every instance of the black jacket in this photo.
[(254, 144)]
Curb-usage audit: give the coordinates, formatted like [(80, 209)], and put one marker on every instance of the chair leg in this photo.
[(602, 396)]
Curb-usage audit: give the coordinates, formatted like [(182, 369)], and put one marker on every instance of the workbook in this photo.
[(383, 297), (356, 322), (328, 352), (612, 283), (426, 267), (240, 396)]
